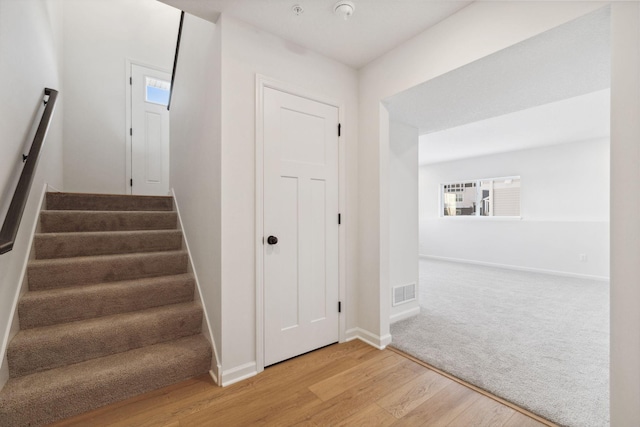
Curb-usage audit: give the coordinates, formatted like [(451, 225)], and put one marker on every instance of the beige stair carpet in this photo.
[(110, 310)]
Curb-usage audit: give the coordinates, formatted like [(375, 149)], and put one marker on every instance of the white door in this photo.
[(301, 286), (149, 131)]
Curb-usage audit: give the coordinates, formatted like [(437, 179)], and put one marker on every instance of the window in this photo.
[(157, 91), (497, 197)]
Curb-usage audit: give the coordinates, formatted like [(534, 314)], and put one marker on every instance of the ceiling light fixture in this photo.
[(344, 9), (297, 9)]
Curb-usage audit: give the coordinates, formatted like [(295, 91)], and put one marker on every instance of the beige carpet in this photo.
[(539, 341), (110, 311)]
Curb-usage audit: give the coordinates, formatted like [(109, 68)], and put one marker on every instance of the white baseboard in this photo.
[(215, 373), (372, 339), (518, 268), (413, 311), (239, 373), (14, 324), (52, 189)]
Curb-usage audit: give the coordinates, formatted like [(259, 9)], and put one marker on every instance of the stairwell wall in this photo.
[(99, 36), (31, 51), (196, 159)]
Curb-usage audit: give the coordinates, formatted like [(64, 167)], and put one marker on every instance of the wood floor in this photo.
[(350, 384)]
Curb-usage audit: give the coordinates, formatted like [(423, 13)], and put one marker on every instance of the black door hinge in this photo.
[(339, 129), (339, 306), (131, 182), (131, 131), (339, 219), (130, 80)]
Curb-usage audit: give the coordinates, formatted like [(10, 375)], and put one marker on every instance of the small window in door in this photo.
[(157, 91)]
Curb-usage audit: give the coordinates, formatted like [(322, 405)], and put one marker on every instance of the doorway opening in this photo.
[(148, 130), (538, 111)]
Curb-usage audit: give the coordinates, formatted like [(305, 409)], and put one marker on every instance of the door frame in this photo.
[(128, 117), (263, 82)]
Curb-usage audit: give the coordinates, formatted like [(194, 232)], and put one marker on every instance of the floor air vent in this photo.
[(405, 293)]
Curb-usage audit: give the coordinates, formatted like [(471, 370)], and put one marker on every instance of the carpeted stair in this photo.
[(110, 311)]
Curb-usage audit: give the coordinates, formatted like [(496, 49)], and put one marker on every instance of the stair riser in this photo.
[(105, 202), (63, 222), (63, 245), (69, 305), (86, 271), (96, 383), (99, 338)]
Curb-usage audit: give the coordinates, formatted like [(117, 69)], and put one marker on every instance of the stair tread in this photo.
[(108, 195), (94, 243), (61, 305), (89, 201), (54, 394), (96, 287), (93, 258), (108, 212), (64, 221), (48, 347), (83, 371), (71, 330), (85, 270), (63, 234)]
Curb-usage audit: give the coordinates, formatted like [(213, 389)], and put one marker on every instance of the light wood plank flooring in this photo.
[(350, 384)]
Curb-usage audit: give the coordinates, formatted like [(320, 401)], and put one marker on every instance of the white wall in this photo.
[(195, 157), (99, 36), (564, 205), (30, 48), (625, 205), (245, 52), (403, 212), (478, 30)]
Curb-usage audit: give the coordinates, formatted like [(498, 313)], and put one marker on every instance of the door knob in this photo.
[(272, 240)]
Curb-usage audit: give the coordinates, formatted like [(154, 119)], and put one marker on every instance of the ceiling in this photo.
[(581, 118), (376, 27)]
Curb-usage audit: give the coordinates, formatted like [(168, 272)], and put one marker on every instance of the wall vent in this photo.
[(404, 293)]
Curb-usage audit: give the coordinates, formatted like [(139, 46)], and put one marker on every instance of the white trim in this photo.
[(261, 83), (215, 373), (14, 326), (518, 268), (414, 311), (372, 339), (259, 226), (128, 120), (342, 228), (216, 368), (4, 371), (52, 189), (239, 373)]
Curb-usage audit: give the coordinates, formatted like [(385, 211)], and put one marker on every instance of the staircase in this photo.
[(110, 311)]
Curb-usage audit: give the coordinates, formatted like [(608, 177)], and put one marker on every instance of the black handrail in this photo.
[(175, 59), (18, 202)]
